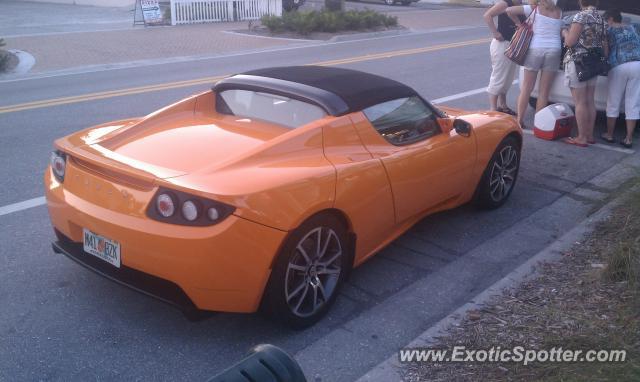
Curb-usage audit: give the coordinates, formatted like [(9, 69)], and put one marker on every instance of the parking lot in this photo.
[(60, 322)]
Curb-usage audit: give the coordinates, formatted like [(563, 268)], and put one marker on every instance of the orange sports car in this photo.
[(267, 190)]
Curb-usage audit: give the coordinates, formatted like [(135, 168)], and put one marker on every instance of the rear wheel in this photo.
[(500, 176), (309, 272), (389, 2)]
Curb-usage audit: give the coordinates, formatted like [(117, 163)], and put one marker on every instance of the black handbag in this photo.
[(591, 64)]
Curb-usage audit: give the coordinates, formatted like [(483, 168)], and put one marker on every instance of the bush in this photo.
[(305, 23)]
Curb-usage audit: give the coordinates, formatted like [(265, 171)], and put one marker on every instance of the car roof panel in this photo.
[(321, 85)]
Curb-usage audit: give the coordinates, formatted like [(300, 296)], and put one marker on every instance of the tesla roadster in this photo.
[(265, 191)]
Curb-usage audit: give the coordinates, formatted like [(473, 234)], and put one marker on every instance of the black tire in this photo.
[(405, 3), (495, 188), (298, 298), (533, 101)]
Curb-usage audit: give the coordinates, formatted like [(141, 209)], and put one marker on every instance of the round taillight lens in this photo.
[(58, 164), (165, 205), (213, 214), (189, 210)]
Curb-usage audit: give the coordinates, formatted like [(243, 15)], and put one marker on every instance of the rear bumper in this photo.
[(145, 283), (223, 268)]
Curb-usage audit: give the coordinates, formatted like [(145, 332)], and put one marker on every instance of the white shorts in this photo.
[(503, 69), (571, 77), (624, 81), (545, 59)]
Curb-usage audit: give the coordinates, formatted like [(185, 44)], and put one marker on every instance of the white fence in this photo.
[(204, 11)]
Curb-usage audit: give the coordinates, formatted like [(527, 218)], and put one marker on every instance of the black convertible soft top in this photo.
[(339, 91)]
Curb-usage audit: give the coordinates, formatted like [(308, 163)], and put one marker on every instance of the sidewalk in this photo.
[(62, 37)]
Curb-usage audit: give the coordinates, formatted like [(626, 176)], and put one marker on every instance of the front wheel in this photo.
[(500, 176), (390, 2), (308, 273)]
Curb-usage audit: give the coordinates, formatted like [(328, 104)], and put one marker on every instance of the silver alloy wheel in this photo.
[(389, 2), (313, 271), (503, 173)]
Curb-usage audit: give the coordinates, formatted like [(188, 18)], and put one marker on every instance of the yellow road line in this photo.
[(211, 80)]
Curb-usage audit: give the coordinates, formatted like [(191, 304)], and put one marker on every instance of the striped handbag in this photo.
[(519, 45)]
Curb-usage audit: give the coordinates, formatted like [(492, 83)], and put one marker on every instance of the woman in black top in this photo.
[(503, 69)]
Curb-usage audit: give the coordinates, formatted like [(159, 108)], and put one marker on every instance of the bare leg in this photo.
[(546, 80), (611, 126), (493, 101), (591, 102), (582, 113), (631, 125), (502, 101), (526, 87)]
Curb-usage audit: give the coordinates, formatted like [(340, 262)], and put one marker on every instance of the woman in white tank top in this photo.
[(544, 54)]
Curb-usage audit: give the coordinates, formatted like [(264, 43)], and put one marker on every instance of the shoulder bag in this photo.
[(592, 63), (519, 45)]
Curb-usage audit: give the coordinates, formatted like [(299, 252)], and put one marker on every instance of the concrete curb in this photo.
[(337, 38), (391, 369)]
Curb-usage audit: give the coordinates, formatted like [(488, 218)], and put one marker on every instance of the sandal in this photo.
[(506, 110), (571, 141), (626, 145), (607, 139), (591, 142)]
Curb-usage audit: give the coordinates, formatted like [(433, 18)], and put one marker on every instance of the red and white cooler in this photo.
[(554, 121)]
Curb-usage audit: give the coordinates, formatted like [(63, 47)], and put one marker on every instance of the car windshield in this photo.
[(269, 107)]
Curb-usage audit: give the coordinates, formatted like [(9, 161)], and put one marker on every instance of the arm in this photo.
[(572, 35), (514, 12), (498, 8)]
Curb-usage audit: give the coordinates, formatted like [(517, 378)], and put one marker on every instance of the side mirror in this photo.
[(462, 127)]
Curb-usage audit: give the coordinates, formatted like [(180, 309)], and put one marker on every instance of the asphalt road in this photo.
[(61, 322)]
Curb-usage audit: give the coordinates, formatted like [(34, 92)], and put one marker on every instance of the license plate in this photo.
[(101, 247)]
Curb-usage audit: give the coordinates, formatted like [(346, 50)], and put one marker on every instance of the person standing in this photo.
[(587, 33), (544, 54), (503, 70), (624, 76)]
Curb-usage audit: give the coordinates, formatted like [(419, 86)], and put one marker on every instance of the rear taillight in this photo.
[(190, 210), (194, 210), (165, 205), (58, 162)]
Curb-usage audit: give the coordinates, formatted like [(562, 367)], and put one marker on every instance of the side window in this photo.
[(273, 108), (403, 121)]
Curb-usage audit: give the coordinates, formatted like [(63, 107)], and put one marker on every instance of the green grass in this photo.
[(622, 329)]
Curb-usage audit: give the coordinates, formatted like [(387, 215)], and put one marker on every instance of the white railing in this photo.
[(205, 11)]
